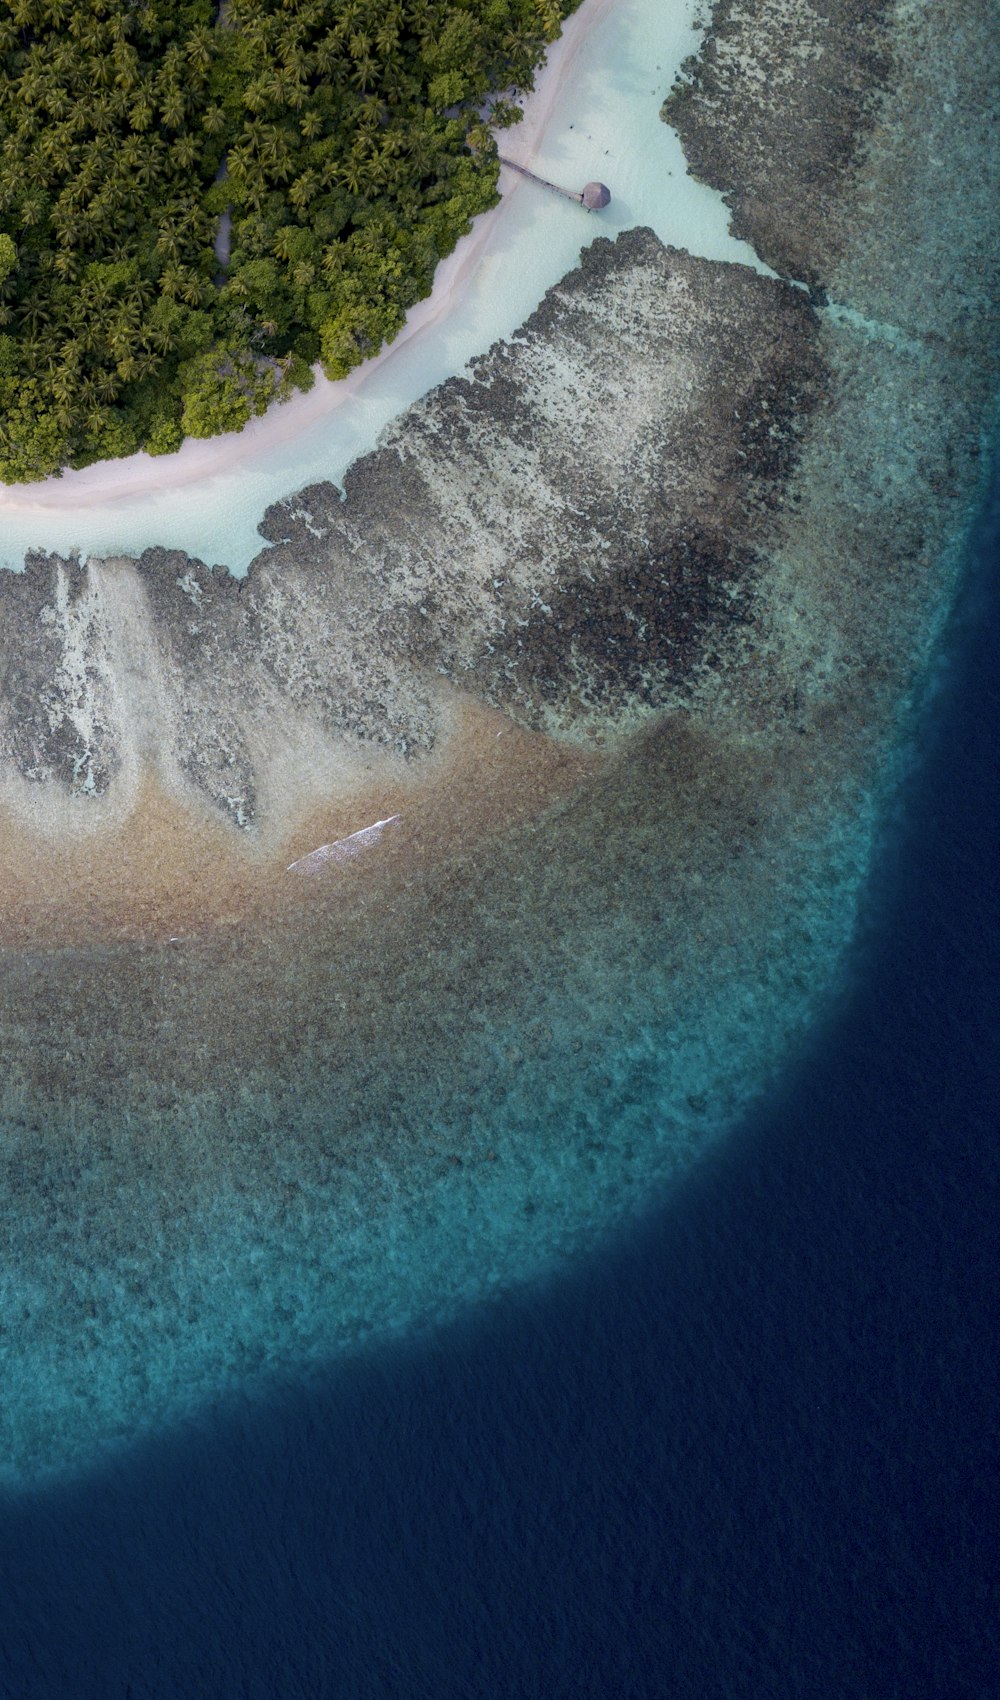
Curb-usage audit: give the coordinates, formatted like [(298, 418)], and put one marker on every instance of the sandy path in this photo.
[(143, 475)]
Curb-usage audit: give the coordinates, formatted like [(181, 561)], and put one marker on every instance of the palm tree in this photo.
[(168, 243), (350, 172), (185, 151), (387, 37), (87, 392), (172, 105), (325, 55), (171, 281), (148, 167), (106, 384), (284, 242), (303, 190), (255, 96), (365, 72), (191, 288), (158, 337), (33, 208), (126, 63), (200, 48)]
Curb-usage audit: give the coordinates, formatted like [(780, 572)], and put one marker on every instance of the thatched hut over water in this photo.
[(595, 196)]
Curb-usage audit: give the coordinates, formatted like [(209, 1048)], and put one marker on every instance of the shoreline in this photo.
[(199, 459)]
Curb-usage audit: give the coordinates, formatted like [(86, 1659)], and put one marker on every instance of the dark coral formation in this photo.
[(603, 474), (634, 635), (56, 700), (567, 531), (773, 111)]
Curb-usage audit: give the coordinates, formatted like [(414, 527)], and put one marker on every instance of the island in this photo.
[(198, 205)]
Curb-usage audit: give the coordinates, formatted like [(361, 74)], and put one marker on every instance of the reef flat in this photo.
[(627, 624), (566, 532)]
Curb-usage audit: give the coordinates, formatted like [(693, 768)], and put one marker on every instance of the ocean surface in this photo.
[(747, 1448)]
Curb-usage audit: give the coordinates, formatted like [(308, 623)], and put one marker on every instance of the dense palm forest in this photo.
[(197, 203)]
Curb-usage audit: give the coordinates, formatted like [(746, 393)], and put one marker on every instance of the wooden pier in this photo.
[(593, 196)]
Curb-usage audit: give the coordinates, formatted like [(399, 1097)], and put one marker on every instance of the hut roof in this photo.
[(596, 195)]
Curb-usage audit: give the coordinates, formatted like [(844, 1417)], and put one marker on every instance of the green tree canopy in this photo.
[(194, 208)]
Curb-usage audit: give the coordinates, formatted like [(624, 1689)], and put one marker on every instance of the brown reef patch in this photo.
[(169, 872)]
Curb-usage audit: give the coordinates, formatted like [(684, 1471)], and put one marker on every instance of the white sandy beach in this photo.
[(614, 62)]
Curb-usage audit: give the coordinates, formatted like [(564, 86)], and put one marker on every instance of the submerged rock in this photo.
[(57, 693)]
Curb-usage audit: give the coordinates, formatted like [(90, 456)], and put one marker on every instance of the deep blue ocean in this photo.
[(750, 1452)]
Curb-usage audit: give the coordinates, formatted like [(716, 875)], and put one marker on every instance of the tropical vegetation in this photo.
[(197, 204)]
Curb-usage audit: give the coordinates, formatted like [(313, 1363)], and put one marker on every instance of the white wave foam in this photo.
[(342, 849)]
